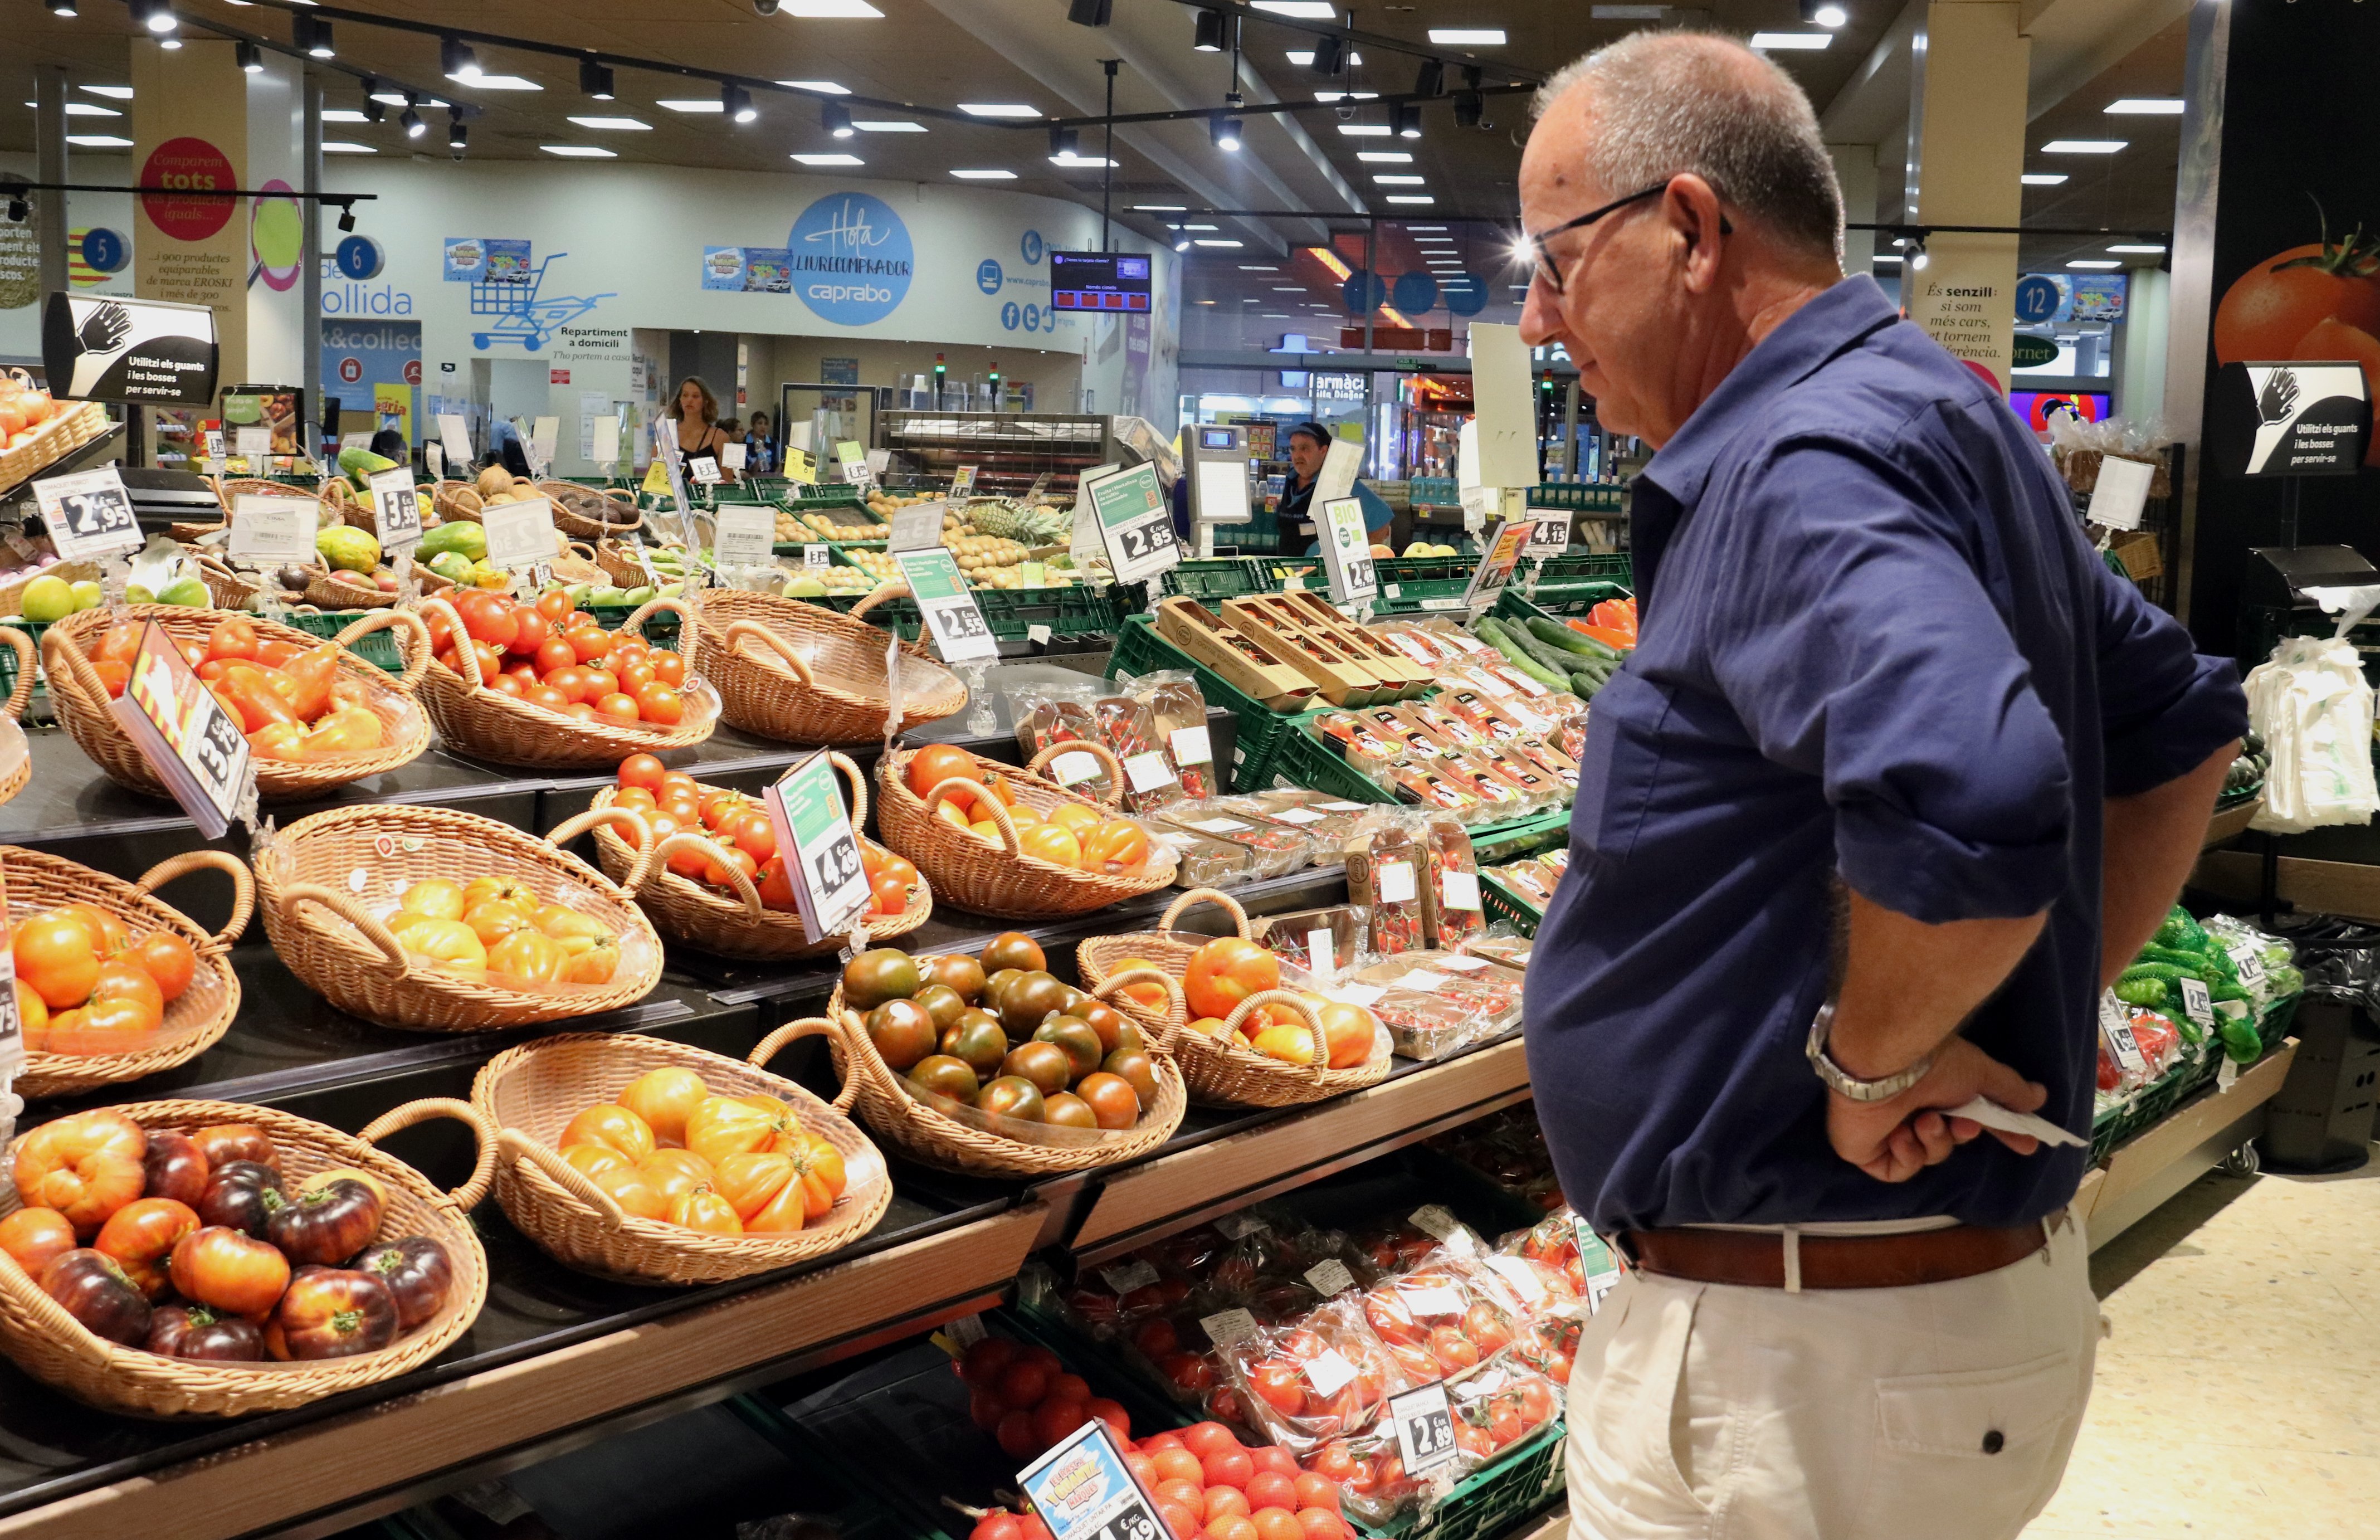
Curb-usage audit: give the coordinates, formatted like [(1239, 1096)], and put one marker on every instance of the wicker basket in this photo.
[(73, 424), (12, 588), (330, 588), (16, 753), (196, 1019), (739, 926), (226, 589), (584, 514), (80, 699), (937, 1139), (533, 1091), (456, 500), (620, 566), (325, 927), (51, 1346), (489, 724), (1000, 879), (802, 674)]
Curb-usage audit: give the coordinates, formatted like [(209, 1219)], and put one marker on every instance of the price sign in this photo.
[(1227, 1326), (704, 469), (253, 443), (800, 467), (918, 526), (1347, 551), (816, 556), (1548, 533), (266, 529), (607, 442), (2196, 1003), (1192, 746), (830, 884), (1424, 1424), (89, 513), (544, 433), (2249, 963), (732, 455), (454, 438), (853, 459), (950, 610), (215, 442), (1328, 1276), (520, 533), (396, 508), (1083, 1491), (745, 535), (1136, 523), (2117, 1029), (194, 745), (1504, 544), (963, 484)]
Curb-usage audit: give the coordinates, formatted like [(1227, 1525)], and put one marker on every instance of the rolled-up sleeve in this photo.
[(2163, 707), (1856, 644)]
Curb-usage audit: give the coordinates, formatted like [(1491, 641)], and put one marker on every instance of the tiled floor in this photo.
[(2240, 1394)]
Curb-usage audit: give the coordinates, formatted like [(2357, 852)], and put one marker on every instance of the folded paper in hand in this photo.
[(1991, 1114)]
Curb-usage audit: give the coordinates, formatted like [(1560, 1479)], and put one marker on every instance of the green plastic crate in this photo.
[(378, 648), (1578, 566), (1416, 596), (1076, 610), (33, 630), (1500, 902), (1218, 578), (1259, 729), (1576, 598), (1422, 569)]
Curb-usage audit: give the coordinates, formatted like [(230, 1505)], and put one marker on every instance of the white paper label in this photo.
[(251, 443), (2196, 1003), (915, 527), (270, 528), (1523, 1279), (1125, 1276), (1069, 769), (89, 513), (1367, 995), (815, 556), (1039, 633), (967, 1331), (744, 537), (1296, 816), (1328, 1276), (1458, 889), (1341, 806), (1428, 1303), (1393, 881), (1321, 956), (1462, 965), (732, 455), (1191, 747), (1227, 1326), (1329, 1373), (2246, 958), (1147, 772), (396, 508), (1434, 1219), (1424, 980), (1216, 826), (455, 437)]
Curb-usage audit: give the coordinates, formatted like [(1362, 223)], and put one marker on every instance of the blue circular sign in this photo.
[(1415, 293), (104, 250), (2037, 297), (1362, 292), (988, 277), (1466, 293), (852, 259), (1010, 315), (1030, 248), (1032, 318), (360, 257)]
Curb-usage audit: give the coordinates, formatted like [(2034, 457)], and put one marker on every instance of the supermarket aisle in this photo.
[(2236, 1396)]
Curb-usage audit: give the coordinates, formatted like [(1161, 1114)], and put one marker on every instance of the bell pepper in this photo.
[(1619, 641), (274, 653), (305, 683), (249, 691), (232, 637), (280, 740), (348, 730), (120, 645)]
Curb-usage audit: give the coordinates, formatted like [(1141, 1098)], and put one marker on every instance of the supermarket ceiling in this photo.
[(913, 77)]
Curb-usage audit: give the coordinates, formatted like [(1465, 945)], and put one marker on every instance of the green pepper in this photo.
[(2239, 1040), (2143, 991), (2165, 971)]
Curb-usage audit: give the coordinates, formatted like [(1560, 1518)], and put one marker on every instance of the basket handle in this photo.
[(877, 596), (674, 605), (518, 1147), (640, 837), (77, 675), (22, 696), (687, 839), (581, 549), (1177, 1010), (483, 1135), (741, 630), (1282, 997), (809, 1027), (243, 889), (461, 636), (859, 778), (942, 792), (1114, 766), (340, 905), (1229, 905), (416, 657)]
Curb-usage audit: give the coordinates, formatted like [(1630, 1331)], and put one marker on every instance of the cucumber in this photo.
[(1518, 656), (1554, 633)]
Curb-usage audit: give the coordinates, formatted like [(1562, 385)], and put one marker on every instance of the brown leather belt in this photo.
[(1755, 1259)]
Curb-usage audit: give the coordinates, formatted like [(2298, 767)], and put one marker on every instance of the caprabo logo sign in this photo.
[(852, 259)]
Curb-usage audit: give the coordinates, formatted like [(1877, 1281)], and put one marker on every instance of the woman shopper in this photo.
[(696, 411)]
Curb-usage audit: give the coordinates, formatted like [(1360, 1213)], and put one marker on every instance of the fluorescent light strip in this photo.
[(1384, 157), (1473, 37), (826, 88), (118, 93), (330, 114), (90, 109), (99, 141), (2142, 251), (1411, 197), (692, 104), (2148, 106), (346, 147), (575, 151), (1208, 241), (987, 175), (2095, 266), (1781, 41), (1365, 130), (1387, 181), (1160, 208), (2084, 146), (1258, 267), (828, 159), (1304, 10), (1071, 162), (831, 10), (623, 125), (2042, 178), (1304, 58), (998, 109), (897, 126)]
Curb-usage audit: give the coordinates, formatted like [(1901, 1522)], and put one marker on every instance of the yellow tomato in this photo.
[(436, 897)]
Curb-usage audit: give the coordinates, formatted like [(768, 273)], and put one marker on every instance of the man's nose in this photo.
[(1541, 317)]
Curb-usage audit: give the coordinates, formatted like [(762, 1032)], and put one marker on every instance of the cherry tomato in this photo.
[(636, 800), (553, 604), (601, 681), (633, 676), (570, 681), (590, 642), (754, 834), (741, 860), (549, 697), (530, 630), (579, 711), (627, 650), (617, 708), (555, 653), (505, 684)]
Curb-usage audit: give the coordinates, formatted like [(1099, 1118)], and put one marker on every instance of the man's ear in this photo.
[(1689, 205)]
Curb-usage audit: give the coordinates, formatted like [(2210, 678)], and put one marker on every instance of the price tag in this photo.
[(816, 556), (879, 461), (266, 529), (454, 438), (1503, 546), (1040, 635), (731, 455), (1321, 953), (1423, 980), (215, 442), (956, 625), (1296, 816), (1598, 1264), (1393, 881), (1147, 772), (1458, 889), (1328, 1276), (520, 534), (1083, 1491), (916, 528), (2117, 1029), (1033, 575), (1070, 770), (89, 513), (1213, 825), (806, 814), (1239, 1227), (1357, 994), (967, 1331), (12, 1026), (1329, 1373), (2248, 960), (2196, 1003), (1523, 1279), (252, 443), (704, 469), (396, 508), (194, 745), (1227, 1326), (1548, 534), (1191, 747), (607, 441), (799, 467), (1462, 965), (1424, 1425), (744, 537), (1347, 551), (1125, 1277), (544, 433), (963, 483), (1434, 1219), (1341, 806), (1430, 1301), (1136, 523), (853, 460)]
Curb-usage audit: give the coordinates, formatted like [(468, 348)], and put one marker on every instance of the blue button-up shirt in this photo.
[(1872, 642)]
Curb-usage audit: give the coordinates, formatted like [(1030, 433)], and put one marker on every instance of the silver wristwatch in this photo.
[(1845, 1084)]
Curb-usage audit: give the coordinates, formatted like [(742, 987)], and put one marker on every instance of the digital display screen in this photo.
[(1099, 281), (2038, 406), (1217, 438)]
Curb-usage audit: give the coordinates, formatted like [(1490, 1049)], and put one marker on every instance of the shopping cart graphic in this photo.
[(520, 315)]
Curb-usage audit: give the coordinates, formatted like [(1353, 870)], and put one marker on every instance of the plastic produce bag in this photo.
[(1325, 1377), (1179, 708), (2313, 708)]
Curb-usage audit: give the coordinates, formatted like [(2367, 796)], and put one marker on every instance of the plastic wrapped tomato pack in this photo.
[(1325, 1377)]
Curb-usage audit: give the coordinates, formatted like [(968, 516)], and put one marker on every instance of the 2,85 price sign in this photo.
[(1083, 1491), (1136, 523), (193, 743)]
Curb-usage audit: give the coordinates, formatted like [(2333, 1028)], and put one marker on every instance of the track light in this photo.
[(250, 57), (374, 109), (18, 210), (1091, 13), (457, 135), (1407, 119), (1065, 143), (1430, 80), (1469, 107), (736, 103), (410, 120), (764, 7), (1226, 132), (346, 218), (1207, 33), (312, 36), (595, 79), (1824, 13), (1327, 54), (65, 9), (1182, 244), (456, 62), (836, 118), (155, 14)]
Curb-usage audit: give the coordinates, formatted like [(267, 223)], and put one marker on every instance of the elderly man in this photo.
[(1899, 776)]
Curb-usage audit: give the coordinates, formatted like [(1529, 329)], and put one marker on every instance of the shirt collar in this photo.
[(1837, 320)]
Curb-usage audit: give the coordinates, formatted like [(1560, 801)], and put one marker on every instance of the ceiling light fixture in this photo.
[(1407, 119), (1824, 13), (1469, 108), (998, 109), (764, 7), (2042, 178), (835, 118), (457, 136), (2084, 146), (1468, 37), (1385, 157), (309, 36), (2148, 106), (1226, 133), (1365, 130), (100, 141), (580, 151), (2093, 265), (155, 14), (1387, 180), (346, 217), (375, 110), (1409, 197), (986, 174), (736, 103), (1328, 53), (114, 93), (1430, 80), (1207, 33), (821, 88), (64, 8), (830, 159), (1159, 208), (625, 124), (889, 126), (456, 62), (1065, 143), (346, 147), (1091, 13), (1778, 42), (410, 121), (250, 57), (2140, 250), (832, 10), (595, 79)]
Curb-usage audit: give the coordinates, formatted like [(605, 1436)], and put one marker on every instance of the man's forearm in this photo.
[(1908, 985), (2151, 842)]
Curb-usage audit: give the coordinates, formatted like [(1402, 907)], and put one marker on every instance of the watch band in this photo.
[(1845, 1084)]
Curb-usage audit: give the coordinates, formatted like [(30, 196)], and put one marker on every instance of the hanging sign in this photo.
[(1136, 523), (267, 529), (396, 508), (952, 616), (145, 352), (189, 739), (1347, 551), (2288, 419), (828, 881), (88, 514), (745, 535)]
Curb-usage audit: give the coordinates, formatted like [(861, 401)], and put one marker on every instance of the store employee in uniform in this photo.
[(1896, 779), (1309, 446)]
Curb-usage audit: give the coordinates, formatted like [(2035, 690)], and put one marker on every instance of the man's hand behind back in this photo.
[(1894, 1140)]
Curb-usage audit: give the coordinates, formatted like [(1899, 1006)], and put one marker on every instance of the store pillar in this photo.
[(1966, 152)]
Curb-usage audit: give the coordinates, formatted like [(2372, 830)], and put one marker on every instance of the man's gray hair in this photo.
[(1670, 103)]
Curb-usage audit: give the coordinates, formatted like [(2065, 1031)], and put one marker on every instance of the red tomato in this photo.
[(889, 895), (644, 771), (627, 650), (552, 652), (616, 706), (571, 682), (660, 705), (2273, 304), (591, 642), (678, 781), (549, 697), (553, 604), (753, 833), (505, 684), (633, 676), (488, 618), (529, 631), (602, 682), (440, 632), (669, 668), (636, 800), (526, 673), (492, 660), (579, 710)]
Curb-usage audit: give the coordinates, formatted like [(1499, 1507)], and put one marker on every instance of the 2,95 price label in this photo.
[(806, 812), (1136, 523), (1424, 1425), (89, 513), (958, 628), (195, 746), (1083, 1491), (396, 507)]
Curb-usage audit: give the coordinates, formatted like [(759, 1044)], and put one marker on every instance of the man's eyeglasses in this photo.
[(1550, 274)]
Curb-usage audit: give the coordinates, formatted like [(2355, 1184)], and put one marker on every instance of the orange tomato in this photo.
[(936, 763), (887, 894), (124, 981), (616, 708), (168, 959), (754, 835), (721, 1126), (827, 1161), (593, 1160), (1051, 842), (492, 921), (86, 1165), (527, 957), (109, 935), (1351, 1031), (1118, 847), (1151, 994), (34, 1235), (502, 890), (665, 1097), (595, 966), (897, 865), (705, 1210), (445, 946), (634, 1191), (674, 1173), (33, 1017), (1226, 970), (669, 668), (54, 955), (749, 1180), (614, 1127), (950, 812), (1075, 816)]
